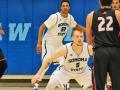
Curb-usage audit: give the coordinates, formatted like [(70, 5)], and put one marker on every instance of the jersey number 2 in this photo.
[(102, 23)]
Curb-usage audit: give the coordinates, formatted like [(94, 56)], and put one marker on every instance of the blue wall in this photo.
[(21, 19)]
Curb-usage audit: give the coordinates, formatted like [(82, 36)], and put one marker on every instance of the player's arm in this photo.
[(118, 16), (51, 21), (47, 62), (51, 59), (89, 33), (40, 34)]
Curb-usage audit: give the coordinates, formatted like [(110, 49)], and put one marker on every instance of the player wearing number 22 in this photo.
[(74, 65), (102, 31)]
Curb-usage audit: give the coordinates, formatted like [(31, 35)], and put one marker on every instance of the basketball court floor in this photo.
[(22, 82), (30, 88)]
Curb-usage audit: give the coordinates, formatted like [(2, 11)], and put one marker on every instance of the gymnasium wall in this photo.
[(21, 20)]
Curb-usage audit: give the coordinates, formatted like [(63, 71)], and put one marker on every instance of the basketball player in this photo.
[(102, 31), (57, 25), (3, 64), (74, 65)]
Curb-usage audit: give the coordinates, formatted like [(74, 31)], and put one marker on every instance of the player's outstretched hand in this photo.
[(36, 79)]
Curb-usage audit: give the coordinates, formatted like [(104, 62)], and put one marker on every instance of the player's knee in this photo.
[(50, 86), (87, 85)]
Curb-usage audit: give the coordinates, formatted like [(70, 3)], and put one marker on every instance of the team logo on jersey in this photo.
[(63, 24), (77, 69), (77, 59)]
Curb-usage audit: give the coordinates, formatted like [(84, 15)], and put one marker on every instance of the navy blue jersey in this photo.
[(105, 28)]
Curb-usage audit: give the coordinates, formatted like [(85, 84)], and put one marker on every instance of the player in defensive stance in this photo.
[(74, 65)]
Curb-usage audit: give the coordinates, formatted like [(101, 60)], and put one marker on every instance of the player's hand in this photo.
[(2, 32), (36, 79), (90, 50), (39, 48)]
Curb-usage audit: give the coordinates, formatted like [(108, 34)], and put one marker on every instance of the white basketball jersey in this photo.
[(57, 27), (76, 63)]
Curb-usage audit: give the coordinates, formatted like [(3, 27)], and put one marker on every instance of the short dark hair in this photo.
[(65, 1), (106, 2), (76, 28)]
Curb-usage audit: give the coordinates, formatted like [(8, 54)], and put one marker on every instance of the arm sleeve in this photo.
[(51, 21)]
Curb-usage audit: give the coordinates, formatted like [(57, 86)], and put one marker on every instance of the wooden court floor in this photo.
[(22, 82), (30, 88)]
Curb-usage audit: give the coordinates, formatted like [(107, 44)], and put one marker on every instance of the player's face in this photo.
[(78, 38), (65, 7), (115, 4)]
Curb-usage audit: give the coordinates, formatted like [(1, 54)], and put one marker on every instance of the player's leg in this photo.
[(108, 83), (58, 79), (114, 68), (52, 84), (85, 79), (101, 58), (3, 63)]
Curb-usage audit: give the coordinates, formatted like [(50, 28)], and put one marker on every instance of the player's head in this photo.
[(105, 2), (77, 36), (65, 6), (115, 4)]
